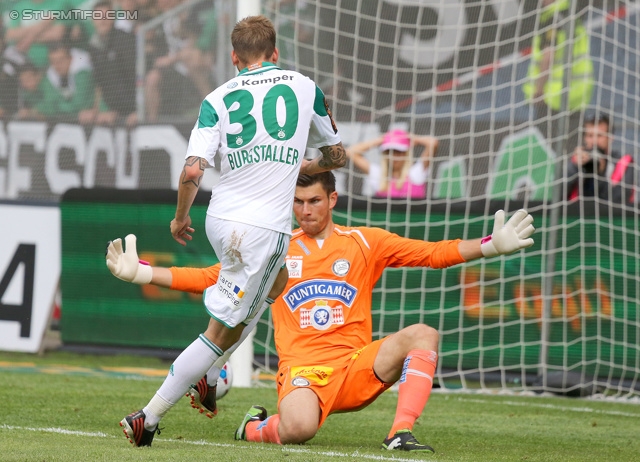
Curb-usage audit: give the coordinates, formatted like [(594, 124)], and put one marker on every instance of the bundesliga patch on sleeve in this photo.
[(294, 267)]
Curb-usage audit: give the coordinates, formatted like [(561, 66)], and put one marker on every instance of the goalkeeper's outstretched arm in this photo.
[(125, 265)]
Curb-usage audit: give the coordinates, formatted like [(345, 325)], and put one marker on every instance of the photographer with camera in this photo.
[(595, 170)]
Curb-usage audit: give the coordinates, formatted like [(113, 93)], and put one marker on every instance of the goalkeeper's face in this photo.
[(312, 207)]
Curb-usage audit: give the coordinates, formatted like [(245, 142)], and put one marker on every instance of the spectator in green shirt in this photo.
[(30, 91), (67, 86), (30, 36)]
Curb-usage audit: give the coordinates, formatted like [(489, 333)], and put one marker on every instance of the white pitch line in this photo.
[(588, 410), (55, 430), (261, 449)]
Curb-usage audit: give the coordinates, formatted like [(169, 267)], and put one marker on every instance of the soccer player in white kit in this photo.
[(259, 124)]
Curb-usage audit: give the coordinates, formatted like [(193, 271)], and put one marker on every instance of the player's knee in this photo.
[(296, 430), (421, 336), (429, 332)]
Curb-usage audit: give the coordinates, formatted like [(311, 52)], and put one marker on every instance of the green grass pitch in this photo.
[(71, 413)]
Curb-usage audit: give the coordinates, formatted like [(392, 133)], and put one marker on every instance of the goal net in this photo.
[(561, 316)]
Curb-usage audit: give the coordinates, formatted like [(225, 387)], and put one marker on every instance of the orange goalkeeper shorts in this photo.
[(348, 385)]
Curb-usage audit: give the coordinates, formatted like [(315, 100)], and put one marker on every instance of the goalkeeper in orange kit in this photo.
[(323, 330)]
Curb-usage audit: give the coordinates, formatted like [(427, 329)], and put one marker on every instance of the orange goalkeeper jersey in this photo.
[(324, 312)]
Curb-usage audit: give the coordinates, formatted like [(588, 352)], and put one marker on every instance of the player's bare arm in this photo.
[(332, 157), (190, 180), (193, 171)]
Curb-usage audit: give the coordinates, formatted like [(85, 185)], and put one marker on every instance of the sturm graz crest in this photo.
[(341, 267)]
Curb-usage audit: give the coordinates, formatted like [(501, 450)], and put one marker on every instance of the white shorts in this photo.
[(250, 259)]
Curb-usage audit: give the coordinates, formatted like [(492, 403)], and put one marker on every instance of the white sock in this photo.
[(214, 372), (212, 375), (187, 369), (157, 407)]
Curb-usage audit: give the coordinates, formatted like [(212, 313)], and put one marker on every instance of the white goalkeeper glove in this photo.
[(126, 265), (515, 235)]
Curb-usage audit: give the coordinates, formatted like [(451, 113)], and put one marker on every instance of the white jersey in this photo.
[(260, 124)]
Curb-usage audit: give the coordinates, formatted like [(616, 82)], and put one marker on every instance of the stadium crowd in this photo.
[(58, 62)]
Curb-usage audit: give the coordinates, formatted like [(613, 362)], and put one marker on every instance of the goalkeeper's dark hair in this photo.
[(326, 179)]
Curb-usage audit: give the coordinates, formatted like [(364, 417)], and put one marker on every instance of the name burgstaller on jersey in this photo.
[(263, 153)]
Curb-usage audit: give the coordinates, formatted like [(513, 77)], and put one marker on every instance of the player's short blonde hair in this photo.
[(253, 37)]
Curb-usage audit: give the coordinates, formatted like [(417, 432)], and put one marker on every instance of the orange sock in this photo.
[(265, 431), (415, 387)]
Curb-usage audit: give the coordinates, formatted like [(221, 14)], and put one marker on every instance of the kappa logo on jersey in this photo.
[(295, 268), (340, 267), (318, 289), (322, 316)]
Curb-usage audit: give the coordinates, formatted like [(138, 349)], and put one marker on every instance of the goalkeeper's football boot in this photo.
[(403, 440), (203, 397), (255, 413), (133, 429)]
